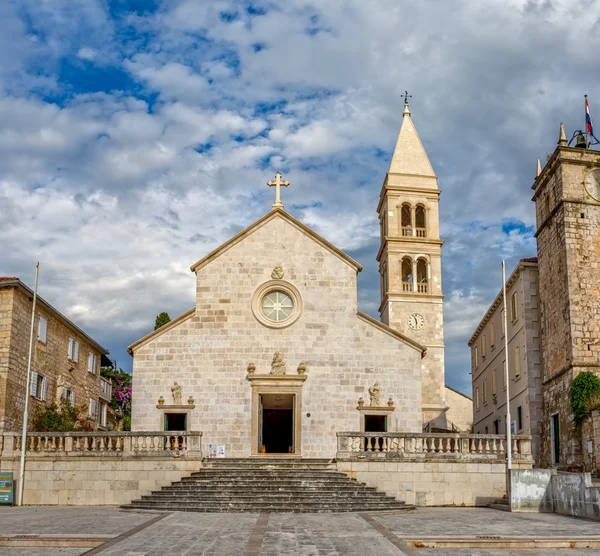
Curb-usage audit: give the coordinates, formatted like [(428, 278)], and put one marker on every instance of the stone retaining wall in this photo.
[(433, 483), (83, 481)]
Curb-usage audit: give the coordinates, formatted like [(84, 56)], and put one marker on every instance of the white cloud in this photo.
[(117, 193)]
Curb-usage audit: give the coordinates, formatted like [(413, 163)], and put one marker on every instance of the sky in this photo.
[(138, 135)]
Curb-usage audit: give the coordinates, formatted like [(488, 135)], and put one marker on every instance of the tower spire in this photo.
[(562, 139), (409, 155)]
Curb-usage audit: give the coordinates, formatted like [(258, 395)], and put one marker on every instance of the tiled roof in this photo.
[(529, 260), (8, 278)]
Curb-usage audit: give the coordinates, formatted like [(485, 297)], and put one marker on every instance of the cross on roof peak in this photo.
[(277, 183)]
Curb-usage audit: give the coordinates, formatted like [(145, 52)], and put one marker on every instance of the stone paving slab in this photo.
[(27, 520), (330, 534), (184, 533), (42, 551), (227, 534), (500, 552), (468, 522)]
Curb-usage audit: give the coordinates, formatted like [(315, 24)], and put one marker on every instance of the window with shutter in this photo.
[(517, 362), (44, 389), (72, 398), (34, 383), (42, 329), (91, 363), (75, 351), (70, 349), (93, 409)]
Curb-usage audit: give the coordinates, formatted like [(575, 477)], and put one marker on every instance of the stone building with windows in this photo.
[(567, 203), (275, 357), (66, 361), (488, 358)]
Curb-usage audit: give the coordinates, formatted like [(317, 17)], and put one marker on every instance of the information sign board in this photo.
[(7, 488)]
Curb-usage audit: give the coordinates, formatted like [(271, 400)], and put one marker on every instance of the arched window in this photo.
[(406, 220), (420, 221), (422, 280), (407, 275)]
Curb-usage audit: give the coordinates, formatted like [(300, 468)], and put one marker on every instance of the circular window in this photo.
[(276, 304)]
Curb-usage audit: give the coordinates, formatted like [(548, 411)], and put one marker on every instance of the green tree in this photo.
[(585, 388), (61, 417), (161, 320)]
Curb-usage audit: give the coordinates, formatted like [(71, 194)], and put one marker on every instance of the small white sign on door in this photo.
[(221, 451)]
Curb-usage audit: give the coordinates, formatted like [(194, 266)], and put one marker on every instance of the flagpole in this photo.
[(587, 143), (27, 390), (507, 378)]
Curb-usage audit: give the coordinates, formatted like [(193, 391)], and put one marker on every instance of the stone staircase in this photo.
[(268, 485)]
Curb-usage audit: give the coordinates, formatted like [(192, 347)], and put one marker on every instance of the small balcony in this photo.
[(407, 286), (105, 389)]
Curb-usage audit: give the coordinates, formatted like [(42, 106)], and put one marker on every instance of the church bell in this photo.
[(581, 141)]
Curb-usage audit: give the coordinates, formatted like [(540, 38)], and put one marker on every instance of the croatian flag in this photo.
[(588, 118)]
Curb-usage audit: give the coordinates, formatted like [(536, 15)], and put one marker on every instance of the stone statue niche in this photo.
[(277, 365), (176, 392), (375, 394)]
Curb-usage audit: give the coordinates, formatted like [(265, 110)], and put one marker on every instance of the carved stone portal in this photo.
[(277, 273), (277, 365), (375, 394), (176, 391)]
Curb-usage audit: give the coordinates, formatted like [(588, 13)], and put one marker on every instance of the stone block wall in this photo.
[(460, 414), (89, 481), (49, 359), (433, 483), (568, 237)]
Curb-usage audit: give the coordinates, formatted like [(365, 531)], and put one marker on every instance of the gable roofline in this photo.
[(164, 328), (458, 392), (391, 332), (14, 282), (528, 262), (276, 213)]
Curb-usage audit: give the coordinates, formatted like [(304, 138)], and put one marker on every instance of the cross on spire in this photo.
[(277, 183), (406, 108)]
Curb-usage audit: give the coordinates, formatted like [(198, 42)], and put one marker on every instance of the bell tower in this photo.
[(410, 261)]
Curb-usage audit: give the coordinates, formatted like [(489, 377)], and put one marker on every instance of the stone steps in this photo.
[(267, 485)]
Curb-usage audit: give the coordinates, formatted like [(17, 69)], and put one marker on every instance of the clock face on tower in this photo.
[(592, 184), (416, 321)]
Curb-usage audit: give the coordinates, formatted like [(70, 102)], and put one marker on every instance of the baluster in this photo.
[(514, 446)]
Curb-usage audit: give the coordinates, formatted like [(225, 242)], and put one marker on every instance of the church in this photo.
[(276, 358)]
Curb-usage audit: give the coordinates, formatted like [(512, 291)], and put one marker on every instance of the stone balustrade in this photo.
[(431, 446), (113, 444)]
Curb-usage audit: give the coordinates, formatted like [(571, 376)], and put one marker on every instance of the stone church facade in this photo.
[(276, 357)]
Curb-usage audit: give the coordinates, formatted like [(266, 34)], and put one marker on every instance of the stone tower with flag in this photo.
[(410, 262)]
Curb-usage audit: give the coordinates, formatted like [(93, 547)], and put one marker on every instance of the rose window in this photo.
[(277, 306)]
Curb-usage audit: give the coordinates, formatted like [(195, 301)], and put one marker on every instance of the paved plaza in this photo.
[(111, 532)]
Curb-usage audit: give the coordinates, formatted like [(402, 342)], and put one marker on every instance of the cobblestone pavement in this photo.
[(181, 533), (68, 520)]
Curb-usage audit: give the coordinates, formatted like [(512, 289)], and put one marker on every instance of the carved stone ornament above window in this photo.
[(277, 273), (277, 304)]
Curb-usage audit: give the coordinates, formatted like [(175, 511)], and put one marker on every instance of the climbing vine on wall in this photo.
[(584, 391)]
